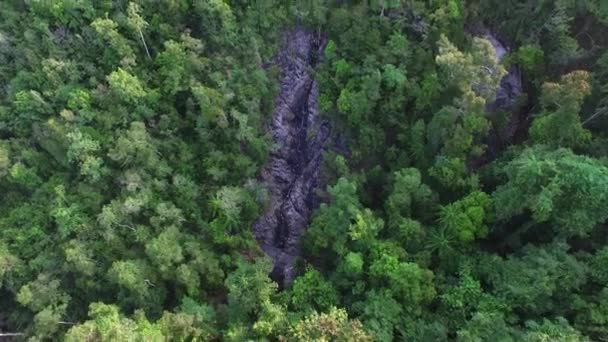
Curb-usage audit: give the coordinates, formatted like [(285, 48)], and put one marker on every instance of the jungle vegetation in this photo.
[(132, 137)]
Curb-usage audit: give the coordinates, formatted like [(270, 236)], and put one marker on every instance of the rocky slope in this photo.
[(292, 172)]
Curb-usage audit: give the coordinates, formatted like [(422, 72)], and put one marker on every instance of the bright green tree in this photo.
[(560, 125), (555, 186)]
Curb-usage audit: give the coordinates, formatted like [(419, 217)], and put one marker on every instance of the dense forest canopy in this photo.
[(469, 200)]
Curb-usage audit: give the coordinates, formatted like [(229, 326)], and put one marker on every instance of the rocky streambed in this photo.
[(292, 172)]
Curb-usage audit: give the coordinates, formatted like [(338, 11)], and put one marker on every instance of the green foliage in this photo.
[(329, 230), (486, 327), (121, 51), (334, 326), (539, 280), (193, 320), (250, 301), (465, 300), (83, 151), (409, 197), (599, 266), (312, 292), (7, 263), (559, 330), (175, 64), (24, 176), (132, 135), (381, 315), (136, 280), (409, 282), (530, 57), (466, 218), (593, 315), (126, 86), (107, 324), (560, 124), (4, 161), (165, 250), (478, 71), (556, 186)]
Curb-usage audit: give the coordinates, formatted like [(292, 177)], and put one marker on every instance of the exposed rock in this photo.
[(510, 86), (508, 96), (292, 172)]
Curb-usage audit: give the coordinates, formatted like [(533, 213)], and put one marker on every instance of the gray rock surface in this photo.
[(292, 172), (508, 99), (510, 86)]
